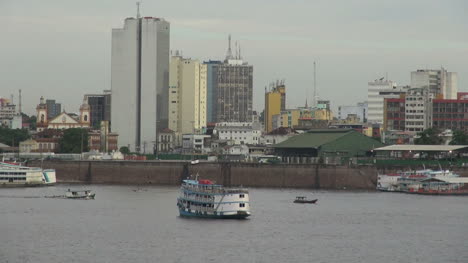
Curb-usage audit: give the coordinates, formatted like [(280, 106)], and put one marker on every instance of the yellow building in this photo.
[(187, 96), (286, 119), (323, 114), (275, 102)]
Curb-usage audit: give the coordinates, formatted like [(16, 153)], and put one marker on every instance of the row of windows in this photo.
[(12, 173), (13, 178)]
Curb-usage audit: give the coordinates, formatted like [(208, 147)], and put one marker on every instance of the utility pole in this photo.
[(81, 155)]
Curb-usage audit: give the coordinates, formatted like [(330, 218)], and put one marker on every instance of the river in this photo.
[(124, 224)]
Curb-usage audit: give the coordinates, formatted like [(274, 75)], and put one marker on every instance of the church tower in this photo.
[(41, 117), (85, 113)]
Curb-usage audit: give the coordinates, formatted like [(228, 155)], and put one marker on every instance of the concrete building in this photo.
[(211, 89), (100, 107), (418, 109), (239, 132), (378, 90), (166, 141), (187, 96), (53, 109), (394, 114), (194, 142), (275, 103), (234, 89), (437, 81), (140, 80), (286, 119), (360, 109), (7, 112)]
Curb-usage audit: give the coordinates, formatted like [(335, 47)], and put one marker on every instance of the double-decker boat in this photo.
[(203, 198), (15, 174)]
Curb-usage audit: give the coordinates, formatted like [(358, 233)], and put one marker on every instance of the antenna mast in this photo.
[(19, 109), (138, 3), (314, 101)]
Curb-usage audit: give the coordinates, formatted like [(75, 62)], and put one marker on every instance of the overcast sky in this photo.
[(60, 49)]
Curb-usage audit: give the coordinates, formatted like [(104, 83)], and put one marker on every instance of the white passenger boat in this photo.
[(13, 174), (203, 198)]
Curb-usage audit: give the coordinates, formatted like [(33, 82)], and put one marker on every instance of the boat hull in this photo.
[(200, 215), (305, 201)]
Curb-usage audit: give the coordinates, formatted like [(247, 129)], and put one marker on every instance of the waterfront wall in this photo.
[(230, 174)]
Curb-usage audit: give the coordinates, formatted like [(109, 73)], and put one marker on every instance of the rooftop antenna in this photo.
[(138, 3), (240, 57), (315, 87), (237, 51), (229, 51), (19, 106)]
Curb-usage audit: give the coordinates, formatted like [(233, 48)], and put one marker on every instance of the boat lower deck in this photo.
[(234, 215)]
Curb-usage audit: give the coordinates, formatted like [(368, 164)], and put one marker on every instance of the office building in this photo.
[(418, 109), (53, 108), (439, 82), (100, 107), (275, 102), (211, 89), (140, 80), (360, 110), (187, 96), (234, 89), (378, 90)]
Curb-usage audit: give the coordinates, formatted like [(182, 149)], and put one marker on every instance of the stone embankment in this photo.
[(229, 174)]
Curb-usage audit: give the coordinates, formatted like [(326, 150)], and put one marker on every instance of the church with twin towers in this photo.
[(140, 84)]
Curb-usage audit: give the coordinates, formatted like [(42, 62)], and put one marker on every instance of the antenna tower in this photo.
[(314, 101), (138, 3), (19, 106)]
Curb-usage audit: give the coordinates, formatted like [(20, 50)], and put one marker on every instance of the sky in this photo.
[(60, 49)]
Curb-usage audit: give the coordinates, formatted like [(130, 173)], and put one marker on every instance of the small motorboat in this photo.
[(304, 200), (79, 194)]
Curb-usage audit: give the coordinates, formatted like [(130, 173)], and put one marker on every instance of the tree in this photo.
[(74, 140), (429, 137), (13, 137), (459, 138), (124, 150)]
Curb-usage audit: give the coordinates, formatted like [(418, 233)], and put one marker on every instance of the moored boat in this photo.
[(399, 182), (304, 200), (15, 174), (203, 198)]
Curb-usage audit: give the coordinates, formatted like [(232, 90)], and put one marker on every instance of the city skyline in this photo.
[(352, 42)]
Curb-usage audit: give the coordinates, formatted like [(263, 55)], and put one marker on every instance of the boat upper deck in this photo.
[(206, 186)]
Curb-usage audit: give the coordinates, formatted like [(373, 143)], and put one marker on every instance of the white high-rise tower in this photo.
[(140, 81)]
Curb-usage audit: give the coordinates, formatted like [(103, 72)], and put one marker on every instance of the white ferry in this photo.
[(399, 181), (203, 198), (12, 174)]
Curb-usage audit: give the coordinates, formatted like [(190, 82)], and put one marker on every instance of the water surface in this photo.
[(124, 225)]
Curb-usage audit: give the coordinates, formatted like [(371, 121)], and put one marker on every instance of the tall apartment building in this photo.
[(187, 96), (231, 93), (378, 90), (418, 109), (275, 102), (100, 107), (437, 81), (394, 114), (140, 80), (53, 109)]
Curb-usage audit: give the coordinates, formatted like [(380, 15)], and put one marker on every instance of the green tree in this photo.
[(124, 150), (13, 137), (459, 138), (429, 137), (74, 140)]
